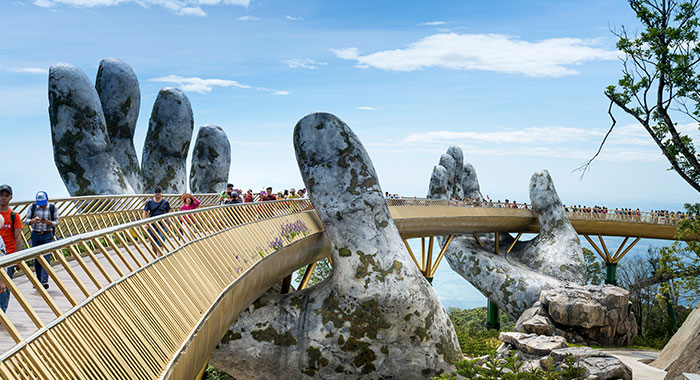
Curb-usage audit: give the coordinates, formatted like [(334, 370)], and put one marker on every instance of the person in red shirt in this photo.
[(11, 232), (269, 196), (248, 197)]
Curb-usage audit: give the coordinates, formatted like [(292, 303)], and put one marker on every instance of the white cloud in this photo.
[(522, 136), (432, 23), (304, 63), (179, 7), (247, 18), (626, 143), (204, 86), (30, 70), (366, 108), (487, 52), (293, 18)]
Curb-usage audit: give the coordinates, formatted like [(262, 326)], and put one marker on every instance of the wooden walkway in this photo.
[(20, 318)]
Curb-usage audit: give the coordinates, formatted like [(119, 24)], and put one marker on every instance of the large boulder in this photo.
[(376, 317), (81, 148), (598, 315), (211, 160), (539, 351), (118, 89), (168, 142), (682, 353)]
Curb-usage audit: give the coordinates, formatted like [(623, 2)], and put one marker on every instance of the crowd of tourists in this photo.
[(233, 195)]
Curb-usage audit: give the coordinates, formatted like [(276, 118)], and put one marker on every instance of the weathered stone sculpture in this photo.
[(550, 265), (81, 147), (92, 128), (118, 88), (456, 153), (514, 281), (376, 316), (211, 160), (168, 141)]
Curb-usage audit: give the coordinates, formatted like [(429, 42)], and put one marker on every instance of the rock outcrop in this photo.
[(211, 160), (376, 316), (168, 142), (118, 89), (682, 353), (81, 147), (597, 315), (546, 351)]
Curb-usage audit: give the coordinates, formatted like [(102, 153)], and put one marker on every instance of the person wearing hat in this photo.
[(154, 207), (43, 219), (189, 202), (293, 194), (11, 233)]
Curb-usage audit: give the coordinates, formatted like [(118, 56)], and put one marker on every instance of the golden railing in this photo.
[(151, 298), (125, 309), (632, 216), (90, 213)]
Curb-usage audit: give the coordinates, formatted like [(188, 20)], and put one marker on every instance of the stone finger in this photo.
[(168, 142), (82, 152), (211, 160)]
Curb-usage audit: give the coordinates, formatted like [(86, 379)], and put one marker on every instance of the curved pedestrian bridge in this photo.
[(137, 299)]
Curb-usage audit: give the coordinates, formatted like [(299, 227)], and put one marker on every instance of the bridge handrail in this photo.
[(33, 252), (648, 217)]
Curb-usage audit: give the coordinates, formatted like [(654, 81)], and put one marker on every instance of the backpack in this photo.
[(13, 217), (32, 211)]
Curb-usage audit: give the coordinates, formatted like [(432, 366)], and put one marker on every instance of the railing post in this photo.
[(611, 273)]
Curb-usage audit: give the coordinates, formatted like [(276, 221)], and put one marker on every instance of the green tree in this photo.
[(660, 84), (322, 270), (595, 270)]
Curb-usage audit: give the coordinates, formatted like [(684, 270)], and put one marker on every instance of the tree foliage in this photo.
[(595, 269), (660, 84), (322, 270)]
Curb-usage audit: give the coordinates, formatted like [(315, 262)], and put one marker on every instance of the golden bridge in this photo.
[(151, 298)]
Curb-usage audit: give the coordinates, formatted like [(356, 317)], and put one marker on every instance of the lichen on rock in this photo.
[(375, 316)]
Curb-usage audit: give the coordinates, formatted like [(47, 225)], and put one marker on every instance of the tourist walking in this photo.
[(43, 219), (11, 233), (154, 207)]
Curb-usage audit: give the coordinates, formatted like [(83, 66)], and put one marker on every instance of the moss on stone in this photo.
[(271, 335)]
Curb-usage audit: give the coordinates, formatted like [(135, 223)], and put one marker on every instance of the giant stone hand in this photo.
[(376, 317), (515, 280), (92, 130)]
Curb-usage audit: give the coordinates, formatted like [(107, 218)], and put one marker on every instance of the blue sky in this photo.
[(518, 85)]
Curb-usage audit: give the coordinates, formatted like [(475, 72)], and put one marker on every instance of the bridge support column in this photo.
[(492, 317), (611, 273)]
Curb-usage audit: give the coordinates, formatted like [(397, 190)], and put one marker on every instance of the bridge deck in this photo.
[(230, 264)]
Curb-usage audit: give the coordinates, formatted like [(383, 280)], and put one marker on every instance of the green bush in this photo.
[(474, 338), (511, 369)]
